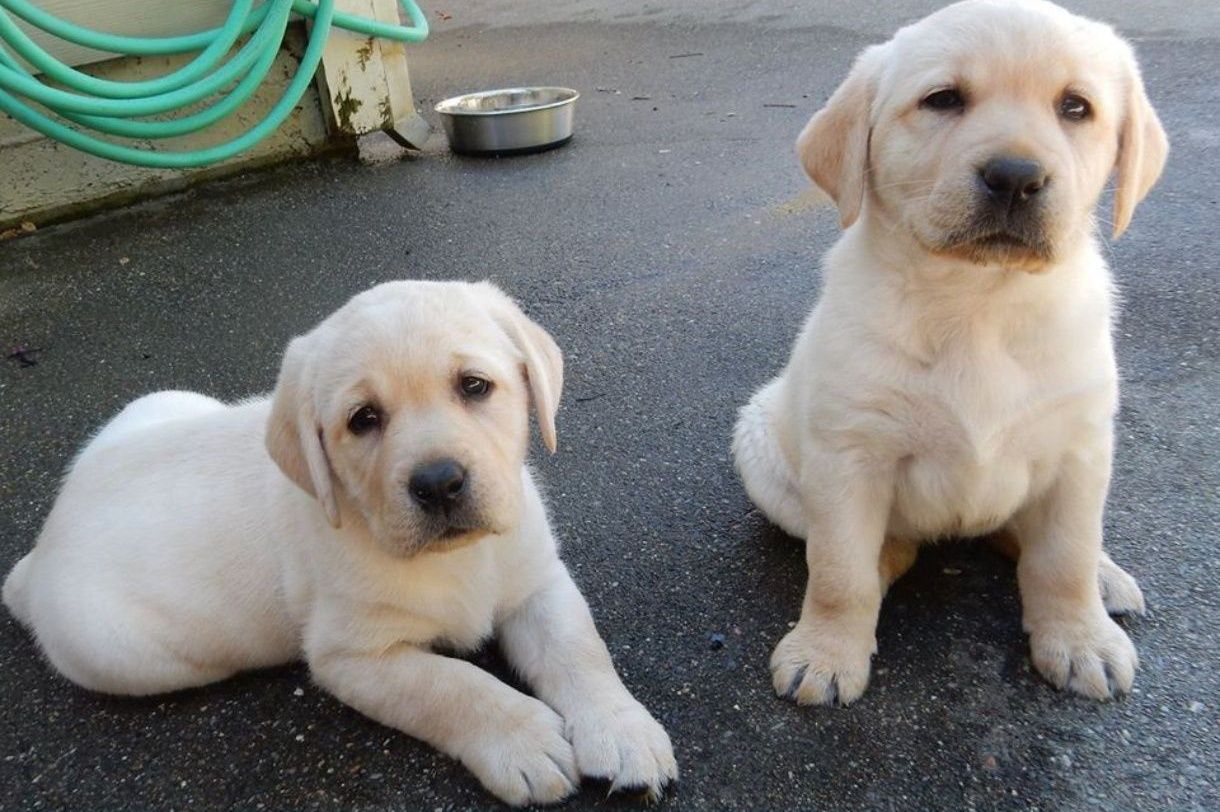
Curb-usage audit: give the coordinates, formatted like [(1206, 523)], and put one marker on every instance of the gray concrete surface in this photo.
[(664, 249)]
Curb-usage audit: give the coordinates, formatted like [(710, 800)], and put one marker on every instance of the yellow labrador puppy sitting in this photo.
[(957, 376), (376, 504)]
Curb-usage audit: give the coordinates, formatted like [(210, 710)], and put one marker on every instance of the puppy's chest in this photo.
[(451, 601), (982, 435)]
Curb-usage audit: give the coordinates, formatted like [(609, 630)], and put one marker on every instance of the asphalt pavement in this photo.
[(670, 250)]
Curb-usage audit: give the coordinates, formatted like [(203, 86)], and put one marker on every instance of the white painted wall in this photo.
[(149, 18)]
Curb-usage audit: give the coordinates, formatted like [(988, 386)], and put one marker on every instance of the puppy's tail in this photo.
[(761, 465), (16, 590)]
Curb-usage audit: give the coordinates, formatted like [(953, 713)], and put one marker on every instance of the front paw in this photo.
[(821, 666), (623, 744), (527, 760), (1094, 657)]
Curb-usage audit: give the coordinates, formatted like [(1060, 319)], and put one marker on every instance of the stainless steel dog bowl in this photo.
[(510, 121)]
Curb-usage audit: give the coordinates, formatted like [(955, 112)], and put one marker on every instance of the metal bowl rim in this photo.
[(445, 107)]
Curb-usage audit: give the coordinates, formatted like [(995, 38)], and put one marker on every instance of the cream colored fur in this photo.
[(177, 552), (948, 386)]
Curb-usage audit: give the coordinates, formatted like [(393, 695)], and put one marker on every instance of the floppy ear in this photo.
[(294, 431), (1142, 149), (833, 147), (543, 362)]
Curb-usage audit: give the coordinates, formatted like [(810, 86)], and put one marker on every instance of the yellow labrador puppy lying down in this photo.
[(957, 375), (376, 504)]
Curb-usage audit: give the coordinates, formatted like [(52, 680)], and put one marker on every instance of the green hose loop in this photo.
[(23, 84), (106, 106), (200, 65), (171, 128), (152, 130), (113, 43)]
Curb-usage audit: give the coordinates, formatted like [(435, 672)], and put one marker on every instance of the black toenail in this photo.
[(796, 682)]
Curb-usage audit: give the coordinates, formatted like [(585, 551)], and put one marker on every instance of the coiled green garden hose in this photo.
[(115, 108)]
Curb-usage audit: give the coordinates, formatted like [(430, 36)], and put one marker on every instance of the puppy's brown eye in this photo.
[(1074, 108), (364, 420), (473, 386), (948, 100)]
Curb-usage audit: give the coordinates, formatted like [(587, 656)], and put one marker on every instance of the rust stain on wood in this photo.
[(346, 105), (364, 53)]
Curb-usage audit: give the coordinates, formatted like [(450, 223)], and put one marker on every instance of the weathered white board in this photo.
[(143, 18), (366, 81)]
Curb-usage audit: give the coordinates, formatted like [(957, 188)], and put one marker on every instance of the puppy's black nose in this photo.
[(1011, 182), (438, 486)]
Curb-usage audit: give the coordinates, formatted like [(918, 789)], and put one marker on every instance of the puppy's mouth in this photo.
[(412, 533), (442, 533), (455, 537), (1022, 248), (453, 532), (443, 530), (436, 539), (1002, 241)]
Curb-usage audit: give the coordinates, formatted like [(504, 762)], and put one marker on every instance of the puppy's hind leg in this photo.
[(760, 462), (103, 638), (112, 654), (1119, 591), (772, 487)]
